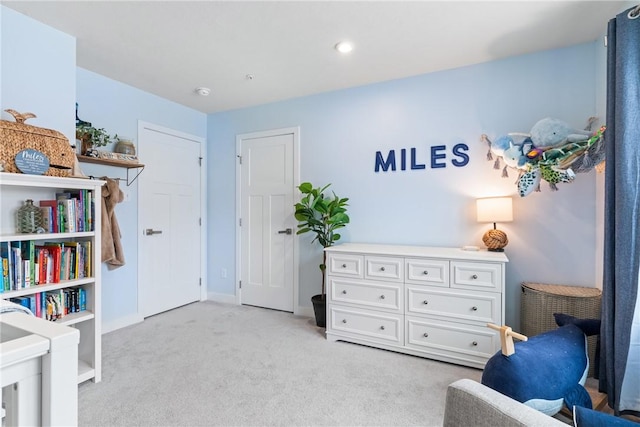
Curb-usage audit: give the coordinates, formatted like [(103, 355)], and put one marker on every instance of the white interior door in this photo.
[(169, 209), (268, 176)]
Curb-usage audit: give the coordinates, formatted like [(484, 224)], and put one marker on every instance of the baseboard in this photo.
[(121, 323), (226, 298)]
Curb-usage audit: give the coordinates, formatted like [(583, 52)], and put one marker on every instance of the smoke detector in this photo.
[(203, 91)]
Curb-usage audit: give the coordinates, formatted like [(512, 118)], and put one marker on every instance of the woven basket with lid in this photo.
[(540, 300), (17, 136)]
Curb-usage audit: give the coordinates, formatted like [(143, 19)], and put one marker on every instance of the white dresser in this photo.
[(425, 301)]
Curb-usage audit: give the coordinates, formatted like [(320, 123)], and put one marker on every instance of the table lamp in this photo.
[(495, 209)]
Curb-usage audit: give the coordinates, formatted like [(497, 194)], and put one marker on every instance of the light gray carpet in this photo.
[(217, 364)]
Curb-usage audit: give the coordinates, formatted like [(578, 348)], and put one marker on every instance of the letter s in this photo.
[(458, 150)]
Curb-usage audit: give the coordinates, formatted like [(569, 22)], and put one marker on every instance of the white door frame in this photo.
[(203, 203), (296, 182)]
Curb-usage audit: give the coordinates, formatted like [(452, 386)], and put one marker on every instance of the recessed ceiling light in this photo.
[(203, 91), (344, 47)]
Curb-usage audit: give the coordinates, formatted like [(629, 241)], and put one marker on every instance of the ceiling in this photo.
[(169, 48)]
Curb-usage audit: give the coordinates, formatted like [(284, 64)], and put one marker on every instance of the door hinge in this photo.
[(200, 284), (240, 282), (240, 222), (200, 161), (200, 222), (240, 159)]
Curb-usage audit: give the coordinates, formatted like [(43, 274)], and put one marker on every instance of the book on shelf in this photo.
[(82, 297), (38, 302), (47, 218), (6, 266), (16, 258), (28, 254), (52, 209), (55, 251)]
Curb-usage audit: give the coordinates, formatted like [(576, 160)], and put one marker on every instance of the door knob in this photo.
[(151, 231), (287, 231)]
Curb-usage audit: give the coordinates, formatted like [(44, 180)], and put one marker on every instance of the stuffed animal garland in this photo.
[(552, 151)]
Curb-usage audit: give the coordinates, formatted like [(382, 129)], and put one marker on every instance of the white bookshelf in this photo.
[(14, 190)]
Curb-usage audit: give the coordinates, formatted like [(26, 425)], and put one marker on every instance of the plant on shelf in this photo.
[(321, 215), (92, 137)]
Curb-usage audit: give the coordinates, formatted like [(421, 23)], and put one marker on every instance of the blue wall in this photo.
[(552, 237), (117, 108), (38, 65)]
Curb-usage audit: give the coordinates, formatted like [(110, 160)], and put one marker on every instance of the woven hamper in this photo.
[(539, 301), (17, 136)]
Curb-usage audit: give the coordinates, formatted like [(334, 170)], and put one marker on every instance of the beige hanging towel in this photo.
[(112, 252)]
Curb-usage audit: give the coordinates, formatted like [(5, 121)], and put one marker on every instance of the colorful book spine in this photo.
[(6, 269), (38, 302), (54, 217), (82, 295)]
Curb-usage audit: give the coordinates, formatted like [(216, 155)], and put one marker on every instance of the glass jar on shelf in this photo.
[(125, 146), (29, 218)]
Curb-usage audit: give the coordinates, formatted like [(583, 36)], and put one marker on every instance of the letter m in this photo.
[(385, 164)]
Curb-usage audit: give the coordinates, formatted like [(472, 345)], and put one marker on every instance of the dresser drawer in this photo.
[(384, 268), (435, 336), (378, 295), (345, 265), (387, 328), (484, 307), (476, 275), (431, 272)]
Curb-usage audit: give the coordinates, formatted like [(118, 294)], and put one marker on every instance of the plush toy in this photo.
[(516, 155), (550, 133), (547, 370), (511, 148), (553, 151), (529, 182)]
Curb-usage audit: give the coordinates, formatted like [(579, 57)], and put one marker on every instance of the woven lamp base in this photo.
[(495, 240)]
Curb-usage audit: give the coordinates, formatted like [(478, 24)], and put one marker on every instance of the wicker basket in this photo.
[(17, 136), (539, 301)]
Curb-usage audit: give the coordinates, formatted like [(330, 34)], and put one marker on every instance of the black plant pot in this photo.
[(320, 309)]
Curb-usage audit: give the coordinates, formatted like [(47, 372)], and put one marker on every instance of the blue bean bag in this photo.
[(546, 371)]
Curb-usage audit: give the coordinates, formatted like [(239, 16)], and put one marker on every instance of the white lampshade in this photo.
[(494, 209)]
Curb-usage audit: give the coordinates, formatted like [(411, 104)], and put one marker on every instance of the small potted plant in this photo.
[(92, 137), (321, 215)]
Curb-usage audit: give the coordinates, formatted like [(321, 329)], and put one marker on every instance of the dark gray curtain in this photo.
[(622, 216)]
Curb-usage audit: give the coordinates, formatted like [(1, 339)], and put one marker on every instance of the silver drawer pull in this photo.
[(475, 343), (426, 335), (344, 291), (382, 328), (344, 265), (151, 232), (425, 302), (381, 296), (475, 276), (344, 320), (425, 272), (474, 308), (381, 268)]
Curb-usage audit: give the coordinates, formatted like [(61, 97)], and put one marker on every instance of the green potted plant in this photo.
[(322, 215), (92, 137)]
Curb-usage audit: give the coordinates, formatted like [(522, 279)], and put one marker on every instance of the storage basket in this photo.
[(539, 301), (17, 136)]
